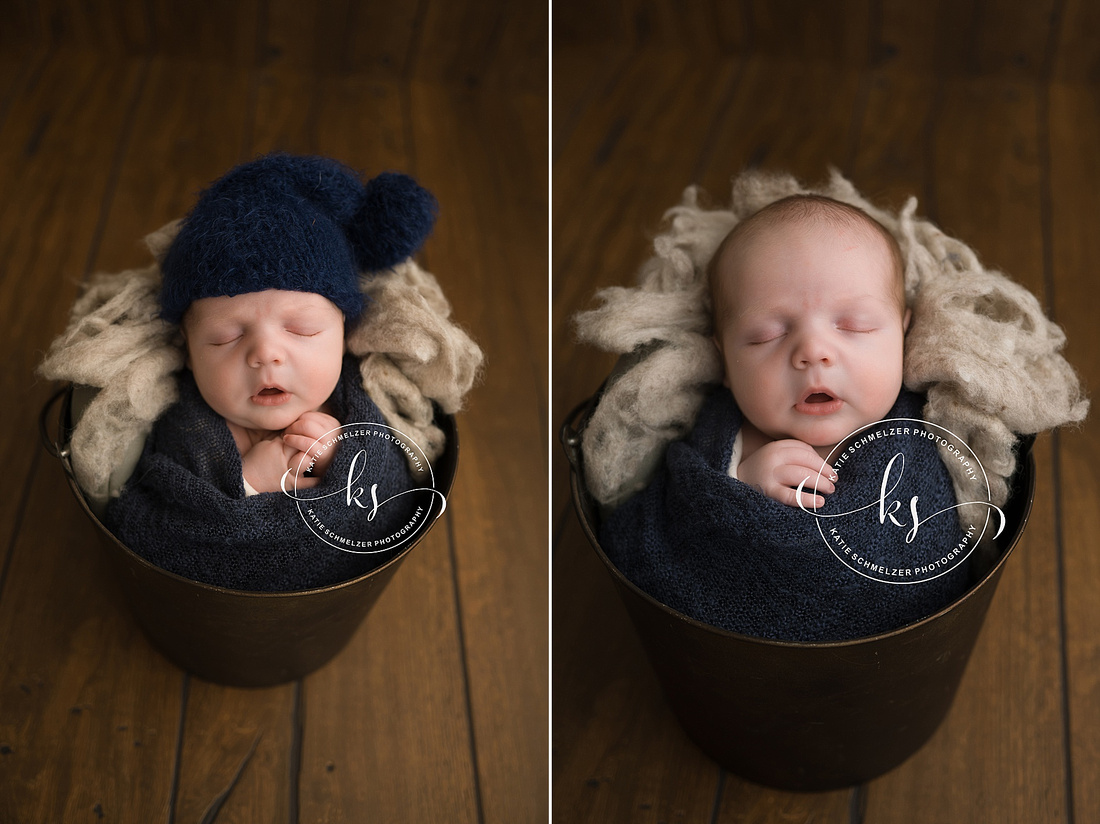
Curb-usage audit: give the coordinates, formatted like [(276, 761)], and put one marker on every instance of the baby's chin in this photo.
[(267, 422)]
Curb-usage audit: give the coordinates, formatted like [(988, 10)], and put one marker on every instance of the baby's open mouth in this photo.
[(819, 402), (271, 396)]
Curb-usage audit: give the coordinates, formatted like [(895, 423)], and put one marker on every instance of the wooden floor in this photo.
[(990, 114), (112, 117)]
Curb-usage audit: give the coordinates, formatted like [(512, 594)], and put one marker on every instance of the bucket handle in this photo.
[(572, 431), (53, 445)]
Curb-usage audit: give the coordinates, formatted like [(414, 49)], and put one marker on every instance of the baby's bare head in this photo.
[(810, 318), (792, 214)]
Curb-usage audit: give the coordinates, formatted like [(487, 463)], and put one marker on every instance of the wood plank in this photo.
[(836, 32), (386, 727), (225, 33), (784, 116), (18, 64), (22, 30), (580, 74), (705, 29), (89, 711), (457, 42), (174, 152), (745, 803), (1074, 130), (374, 39), (235, 756), (522, 60), (498, 507), (114, 28), (52, 194), (619, 754), (1076, 58), (892, 159), (999, 753), (967, 38)]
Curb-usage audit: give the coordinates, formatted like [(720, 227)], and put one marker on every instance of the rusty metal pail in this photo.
[(807, 716), (233, 637)]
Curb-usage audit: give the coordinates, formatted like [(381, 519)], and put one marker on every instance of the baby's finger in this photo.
[(789, 497), (317, 424), (798, 452), (792, 475), (808, 458), (305, 429), (303, 443)]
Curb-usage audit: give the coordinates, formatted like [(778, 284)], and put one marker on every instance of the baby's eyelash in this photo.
[(760, 336)]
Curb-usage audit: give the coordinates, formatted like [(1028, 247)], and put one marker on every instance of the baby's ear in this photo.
[(181, 338), (722, 358)]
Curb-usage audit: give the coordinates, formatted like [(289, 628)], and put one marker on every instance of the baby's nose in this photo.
[(265, 351), (813, 349)]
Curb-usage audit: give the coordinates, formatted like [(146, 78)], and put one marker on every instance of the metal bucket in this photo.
[(248, 639), (807, 716)]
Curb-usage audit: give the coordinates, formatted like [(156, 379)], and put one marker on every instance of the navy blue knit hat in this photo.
[(304, 224)]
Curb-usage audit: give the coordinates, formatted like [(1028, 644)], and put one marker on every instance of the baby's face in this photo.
[(812, 330), (262, 359)]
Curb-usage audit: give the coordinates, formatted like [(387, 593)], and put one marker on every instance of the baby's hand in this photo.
[(778, 467), (306, 437), (264, 464)]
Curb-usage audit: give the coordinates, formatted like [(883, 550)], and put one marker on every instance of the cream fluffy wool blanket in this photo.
[(979, 345), (410, 354)]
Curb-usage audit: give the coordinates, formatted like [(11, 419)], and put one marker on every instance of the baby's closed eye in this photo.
[(858, 325)]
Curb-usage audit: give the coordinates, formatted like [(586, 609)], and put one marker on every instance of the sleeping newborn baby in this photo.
[(809, 317), (243, 483), (267, 362)]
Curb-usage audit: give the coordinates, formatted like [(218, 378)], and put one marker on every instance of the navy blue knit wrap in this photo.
[(719, 551), (298, 223), (184, 508)]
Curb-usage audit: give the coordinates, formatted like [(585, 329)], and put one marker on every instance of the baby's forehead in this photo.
[(744, 245), (745, 265), (269, 303)]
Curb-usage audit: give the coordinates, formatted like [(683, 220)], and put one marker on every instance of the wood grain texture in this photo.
[(89, 711), (436, 709), (498, 510), (1074, 128), (51, 197), (618, 753), (948, 102), (236, 760), (388, 718)]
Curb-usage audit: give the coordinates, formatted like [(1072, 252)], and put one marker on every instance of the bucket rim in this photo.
[(571, 440), (59, 448)]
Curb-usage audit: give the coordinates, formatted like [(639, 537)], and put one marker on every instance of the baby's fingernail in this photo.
[(832, 476)]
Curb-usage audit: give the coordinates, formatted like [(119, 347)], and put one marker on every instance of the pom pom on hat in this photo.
[(394, 220), (298, 223)]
